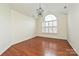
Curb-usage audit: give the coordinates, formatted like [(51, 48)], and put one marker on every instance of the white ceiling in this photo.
[(30, 8)]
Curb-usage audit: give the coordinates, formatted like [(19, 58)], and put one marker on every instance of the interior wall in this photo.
[(73, 26), (23, 27), (14, 27), (62, 27), (5, 27)]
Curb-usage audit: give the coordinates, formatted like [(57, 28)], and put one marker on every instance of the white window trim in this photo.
[(48, 27)]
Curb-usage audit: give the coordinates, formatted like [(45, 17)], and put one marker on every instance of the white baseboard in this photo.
[(30, 38), (9, 45), (27, 38), (4, 49), (52, 37), (73, 47)]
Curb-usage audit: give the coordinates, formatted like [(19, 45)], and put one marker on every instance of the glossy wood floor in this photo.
[(41, 46)]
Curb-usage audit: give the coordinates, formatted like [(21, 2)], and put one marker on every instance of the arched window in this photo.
[(49, 25)]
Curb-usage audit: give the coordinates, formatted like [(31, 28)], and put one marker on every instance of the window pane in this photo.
[(50, 17), (46, 30), (50, 30), (50, 23), (54, 23), (55, 30), (46, 23)]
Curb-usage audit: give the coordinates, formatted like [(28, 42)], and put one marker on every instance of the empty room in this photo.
[(39, 29)]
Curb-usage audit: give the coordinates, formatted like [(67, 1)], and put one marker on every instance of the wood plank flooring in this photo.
[(41, 46)]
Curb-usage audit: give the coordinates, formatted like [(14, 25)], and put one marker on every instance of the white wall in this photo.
[(14, 27), (5, 28), (73, 21), (62, 27), (23, 27)]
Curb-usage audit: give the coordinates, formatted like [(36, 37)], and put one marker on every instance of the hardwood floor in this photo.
[(41, 46)]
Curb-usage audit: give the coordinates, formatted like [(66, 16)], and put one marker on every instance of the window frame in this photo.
[(44, 26)]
